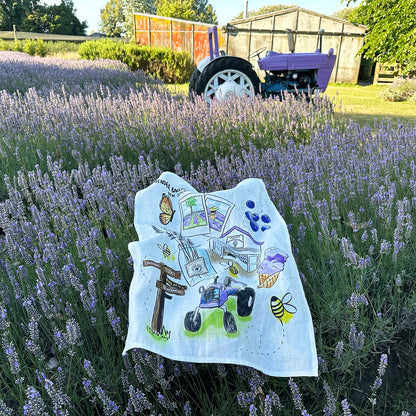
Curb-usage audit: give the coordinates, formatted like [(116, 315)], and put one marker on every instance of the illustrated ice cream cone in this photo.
[(267, 280), (269, 269)]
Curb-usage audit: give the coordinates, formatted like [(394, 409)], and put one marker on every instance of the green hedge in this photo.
[(172, 67), (30, 46), (38, 47)]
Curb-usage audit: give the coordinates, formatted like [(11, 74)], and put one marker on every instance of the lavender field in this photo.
[(79, 139)]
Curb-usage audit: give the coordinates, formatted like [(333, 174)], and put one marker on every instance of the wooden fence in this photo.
[(384, 75)]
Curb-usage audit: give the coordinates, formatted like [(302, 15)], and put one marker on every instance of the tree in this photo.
[(205, 12), (135, 6), (264, 10), (14, 12), (347, 13), (195, 10), (117, 16), (190, 203), (59, 19), (112, 18), (391, 36)]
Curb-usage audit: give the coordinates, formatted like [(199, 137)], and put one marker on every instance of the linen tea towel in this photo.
[(215, 280)]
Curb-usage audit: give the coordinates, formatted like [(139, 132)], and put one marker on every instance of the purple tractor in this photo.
[(215, 296), (218, 75)]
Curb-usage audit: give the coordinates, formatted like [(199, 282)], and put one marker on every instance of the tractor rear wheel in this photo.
[(245, 301), (195, 75), (225, 77)]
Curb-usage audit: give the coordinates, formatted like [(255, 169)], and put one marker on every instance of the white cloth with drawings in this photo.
[(215, 280)]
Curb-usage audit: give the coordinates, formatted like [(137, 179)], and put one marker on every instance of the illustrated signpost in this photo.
[(166, 287)]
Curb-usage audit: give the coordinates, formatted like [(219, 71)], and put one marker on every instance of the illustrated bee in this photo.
[(232, 269), (282, 309), (165, 250)]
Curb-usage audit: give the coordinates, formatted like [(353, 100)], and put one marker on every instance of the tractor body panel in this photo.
[(216, 295), (275, 61), (286, 69)]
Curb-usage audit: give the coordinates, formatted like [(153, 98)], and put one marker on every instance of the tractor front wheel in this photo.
[(192, 321), (225, 77), (229, 322)]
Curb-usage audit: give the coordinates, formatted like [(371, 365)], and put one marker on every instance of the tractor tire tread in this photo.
[(192, 81)]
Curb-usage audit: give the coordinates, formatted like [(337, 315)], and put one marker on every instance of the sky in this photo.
[(89, 10)]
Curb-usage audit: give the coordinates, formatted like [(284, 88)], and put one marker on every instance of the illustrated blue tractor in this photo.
[(215, 296), (218, 75)]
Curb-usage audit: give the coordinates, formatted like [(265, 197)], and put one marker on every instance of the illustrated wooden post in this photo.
[(164, 286)]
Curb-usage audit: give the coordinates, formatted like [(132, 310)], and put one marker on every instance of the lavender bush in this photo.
[(71, 169), (71, 125), (20, 72), (401, 89)]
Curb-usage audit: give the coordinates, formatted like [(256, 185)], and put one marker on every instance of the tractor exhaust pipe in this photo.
[(319, 41), (290, 40)]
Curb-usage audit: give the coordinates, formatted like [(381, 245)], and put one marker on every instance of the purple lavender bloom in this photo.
[(187, 409), (5, 410), (162, 400), (346, 408), (339, 349), (4, 323), (110, 407), (139, 400), (271, 400), (331, 407), (378, 380), (114, 321), (34, 405), (89, 369), (296, 395), (86, 383), (12, 356)]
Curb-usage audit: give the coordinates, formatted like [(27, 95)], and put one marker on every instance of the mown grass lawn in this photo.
[(362, 104)]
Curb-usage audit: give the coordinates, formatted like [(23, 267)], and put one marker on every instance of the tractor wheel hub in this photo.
[(228, 89)]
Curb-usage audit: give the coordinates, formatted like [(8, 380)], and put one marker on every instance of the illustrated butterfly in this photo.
[(166, 216)]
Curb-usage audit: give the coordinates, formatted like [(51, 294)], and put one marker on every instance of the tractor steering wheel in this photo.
[(257, 52)]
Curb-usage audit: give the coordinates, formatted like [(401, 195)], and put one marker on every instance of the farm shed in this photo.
[(245, 36), (176, 34)]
